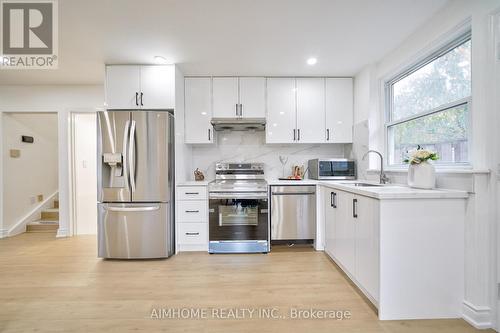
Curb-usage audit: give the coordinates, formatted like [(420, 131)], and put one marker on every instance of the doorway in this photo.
[(84, 173), (30, 172)]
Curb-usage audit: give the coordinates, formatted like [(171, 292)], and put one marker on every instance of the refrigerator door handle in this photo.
[(131, 155), (132, 209), (125, 154)]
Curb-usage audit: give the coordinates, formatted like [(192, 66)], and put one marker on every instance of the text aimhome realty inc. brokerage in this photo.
[(163, 313)]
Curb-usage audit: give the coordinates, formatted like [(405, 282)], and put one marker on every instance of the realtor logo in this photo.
[(29, 34)]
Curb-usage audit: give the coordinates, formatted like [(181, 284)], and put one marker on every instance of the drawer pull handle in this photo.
[(192, 211), (192, 193), (192, 233)]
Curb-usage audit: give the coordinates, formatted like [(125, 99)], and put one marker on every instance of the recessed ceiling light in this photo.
[(161, 60), (312, 61)]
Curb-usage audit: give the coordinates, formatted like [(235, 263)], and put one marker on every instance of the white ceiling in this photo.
[(224, 37)]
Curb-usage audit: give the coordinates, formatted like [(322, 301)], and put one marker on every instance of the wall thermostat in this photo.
[(28, 139)]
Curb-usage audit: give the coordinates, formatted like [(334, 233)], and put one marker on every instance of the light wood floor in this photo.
[(59, 285)]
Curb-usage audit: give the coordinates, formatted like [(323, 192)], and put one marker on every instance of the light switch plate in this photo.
[(39, 197), (15, 153)]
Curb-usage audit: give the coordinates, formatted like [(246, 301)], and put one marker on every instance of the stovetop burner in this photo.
[(239, 177)]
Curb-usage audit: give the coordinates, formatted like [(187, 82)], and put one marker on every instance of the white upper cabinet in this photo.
[(225, 97), (197, 109), (281, 110), (140, 87), (157, 87), (297, 110), (122, 87), (253, 97), (339, 110), (243, 97), (310, 110)]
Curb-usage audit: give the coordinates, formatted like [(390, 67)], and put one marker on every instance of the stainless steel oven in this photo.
[(238, 209)]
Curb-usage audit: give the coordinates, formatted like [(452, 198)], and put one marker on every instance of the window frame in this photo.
[(388, 92)]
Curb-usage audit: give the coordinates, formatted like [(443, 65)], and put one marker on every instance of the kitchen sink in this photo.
[(363, 184)]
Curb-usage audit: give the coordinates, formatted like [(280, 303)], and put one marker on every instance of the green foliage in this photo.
[(445, 80)]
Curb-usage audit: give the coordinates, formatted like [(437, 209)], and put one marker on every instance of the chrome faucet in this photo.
[(383, 177)]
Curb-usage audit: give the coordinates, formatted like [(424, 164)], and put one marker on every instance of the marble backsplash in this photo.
[(251, 147)]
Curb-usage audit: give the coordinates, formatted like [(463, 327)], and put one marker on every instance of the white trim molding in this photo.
[(62, 232), (3, 233), (477, 316)]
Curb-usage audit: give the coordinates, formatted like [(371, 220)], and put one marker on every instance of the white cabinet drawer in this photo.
[(192, 233), (192, 211), (191, 193)]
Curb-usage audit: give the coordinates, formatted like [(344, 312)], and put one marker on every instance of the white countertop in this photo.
[(388, 191), (193, 183), (292, 182)]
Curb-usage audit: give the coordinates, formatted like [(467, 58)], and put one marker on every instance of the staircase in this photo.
[(48, 222)]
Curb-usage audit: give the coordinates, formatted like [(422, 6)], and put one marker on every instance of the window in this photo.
[(428, 105)]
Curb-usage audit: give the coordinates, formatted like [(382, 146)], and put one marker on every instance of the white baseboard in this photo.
[(4, 233), (20, 226), (62, 232), (477, 316)]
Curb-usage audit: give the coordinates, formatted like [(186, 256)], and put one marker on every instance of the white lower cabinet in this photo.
[(366, 226), (351, 237), (191, 210), (191, 218), (192, 233), (405, 254)]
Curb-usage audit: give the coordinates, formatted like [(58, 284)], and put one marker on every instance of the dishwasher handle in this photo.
[(293, 193)]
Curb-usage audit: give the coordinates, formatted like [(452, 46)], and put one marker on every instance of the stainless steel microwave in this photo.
[(332, 168)]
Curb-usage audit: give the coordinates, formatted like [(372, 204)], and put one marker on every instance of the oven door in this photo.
[(238, 222)]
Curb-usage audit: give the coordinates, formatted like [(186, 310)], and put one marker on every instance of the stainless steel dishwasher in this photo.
[(293, 212)]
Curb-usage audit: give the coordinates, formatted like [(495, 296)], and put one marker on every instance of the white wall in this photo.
[(35, 172), (60, 99), (85, 173), (480, 276)]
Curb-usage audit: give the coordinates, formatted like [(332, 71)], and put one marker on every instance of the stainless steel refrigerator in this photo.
[(135, 176)]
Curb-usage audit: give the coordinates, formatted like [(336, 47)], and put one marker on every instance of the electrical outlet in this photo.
[(32, 200), (39, 197)]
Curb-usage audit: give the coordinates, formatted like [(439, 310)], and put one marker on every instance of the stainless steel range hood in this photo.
[(239, 124)]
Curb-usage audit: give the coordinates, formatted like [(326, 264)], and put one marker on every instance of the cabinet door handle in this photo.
[(298, 134), (241, 110), (209, 138), (192, 233), (136, 99), (142, 94), (192, 193), (294, 134), (192, 211), (236, 109), (355, 208), (327, 134), (333, 199)]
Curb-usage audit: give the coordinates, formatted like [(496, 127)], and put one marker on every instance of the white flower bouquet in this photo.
[(420, 155)]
